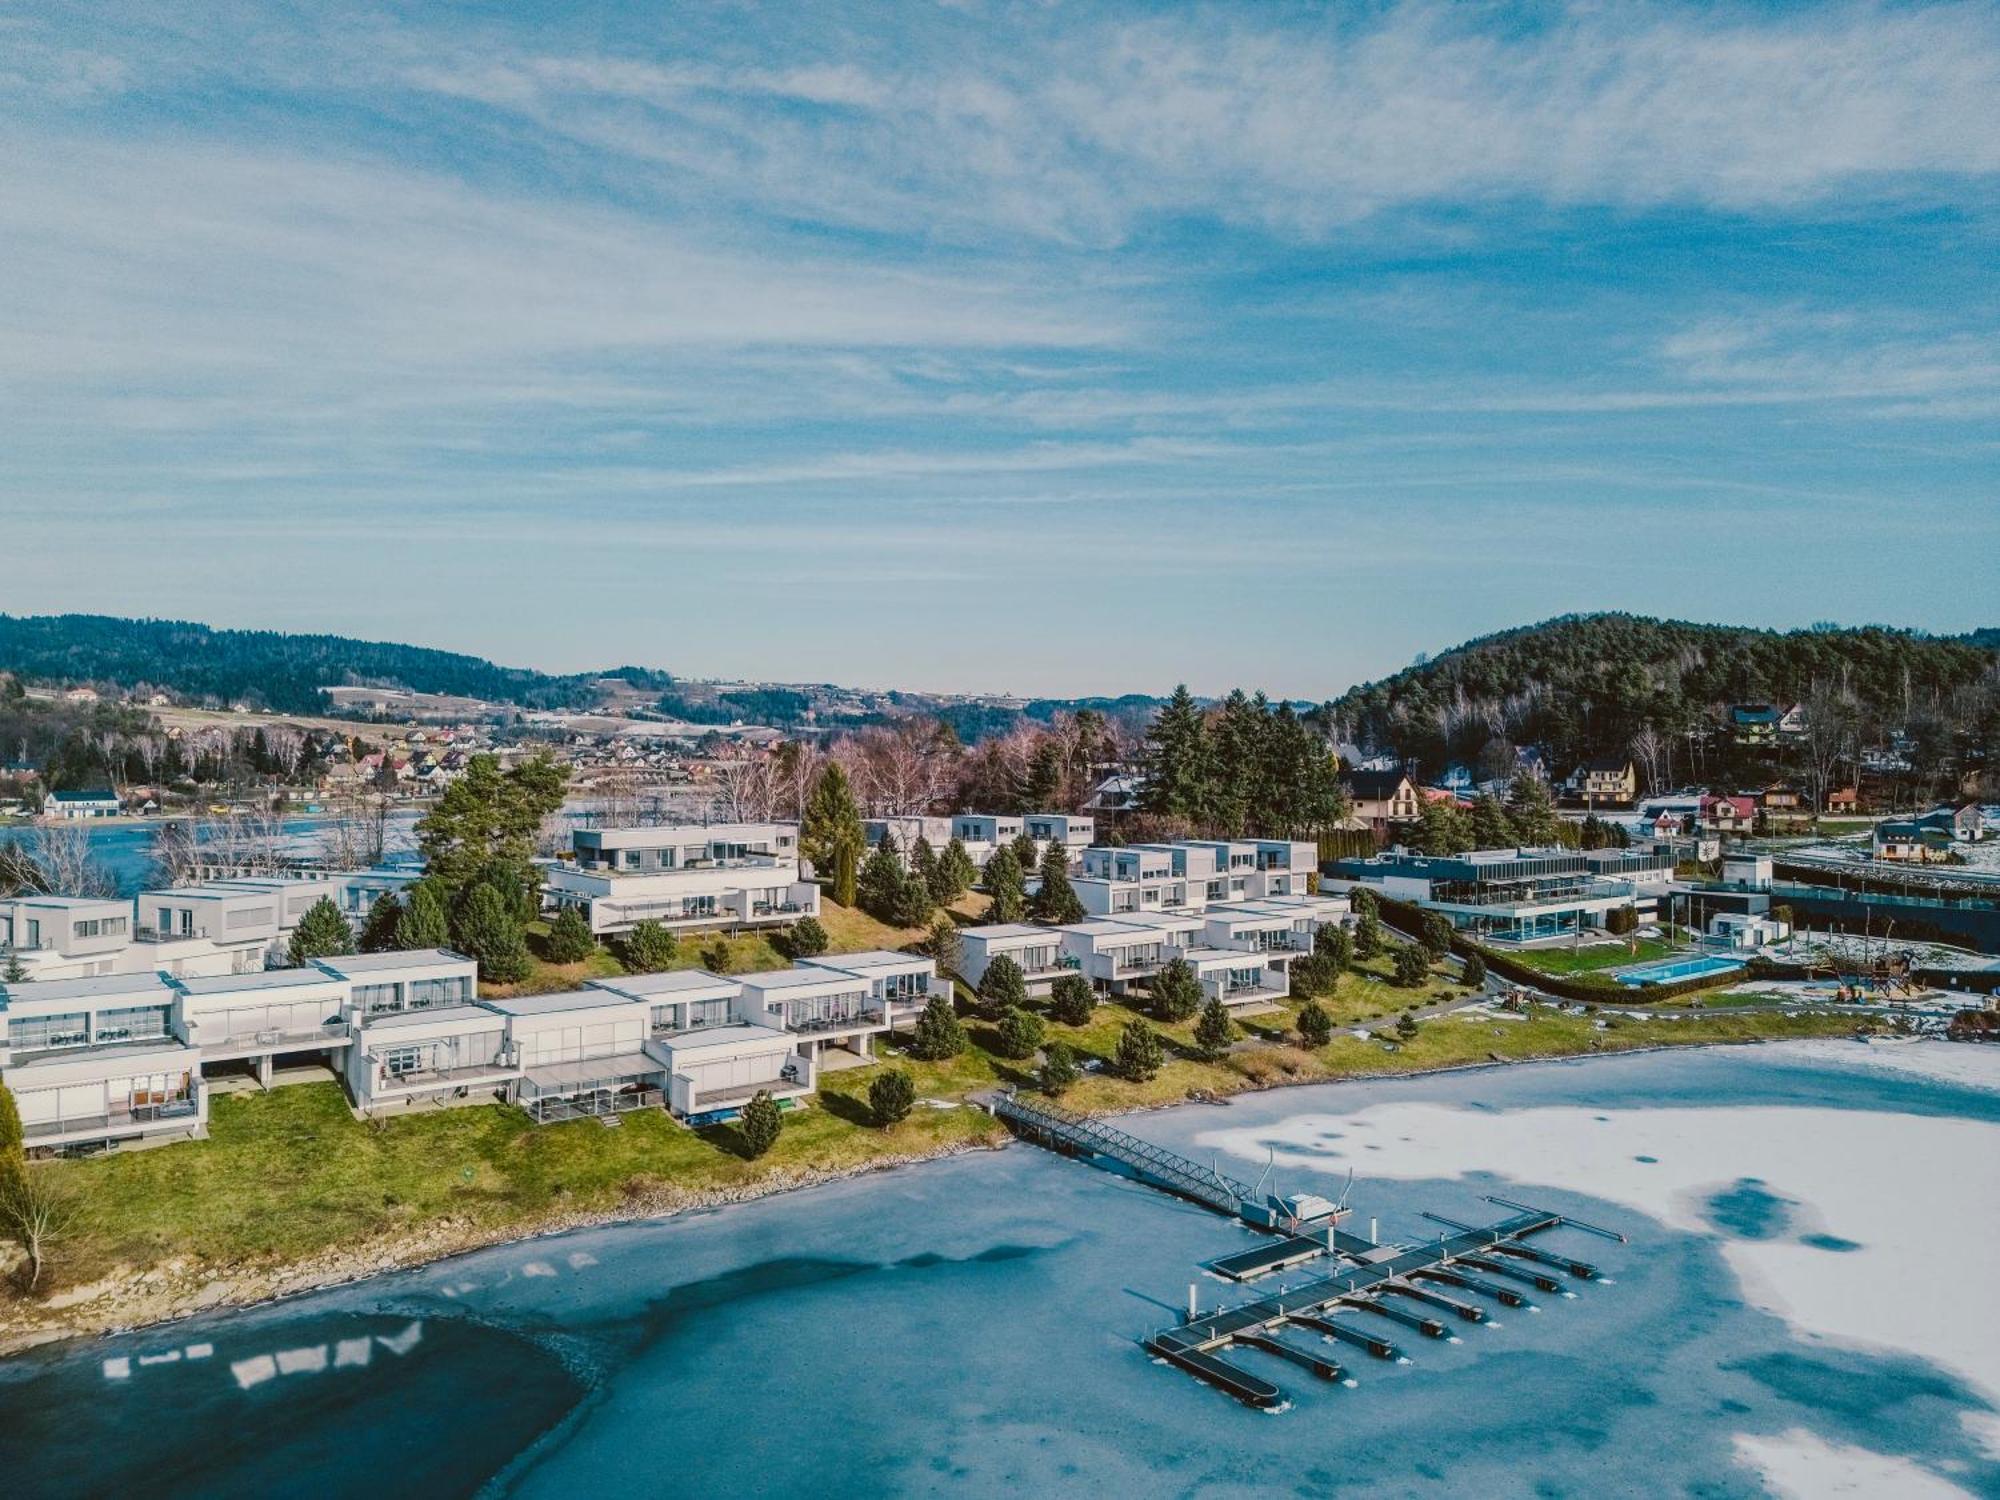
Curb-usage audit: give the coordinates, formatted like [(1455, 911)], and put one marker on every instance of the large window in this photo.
[(43, 1033), (133, 1023)]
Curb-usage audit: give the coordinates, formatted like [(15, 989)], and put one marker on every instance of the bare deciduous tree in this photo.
[(749, 790), (65, 863), (39, 1212)]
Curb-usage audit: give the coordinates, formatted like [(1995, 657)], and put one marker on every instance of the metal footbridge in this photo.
[(1403, 1284)]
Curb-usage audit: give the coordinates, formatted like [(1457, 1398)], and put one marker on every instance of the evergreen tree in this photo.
[(1412, 968), (1532, 810), (1059, 1072), (13, 1149), (717, 957), (1002, 987), (1006, 885), (570, 938), (957, 873), (1175, 761), (1043, 787), (830, 832), (913, 901), (808, 938), (1437, 934), (929, 868), (1056, 901), (1474, 973), (1026, 852), (881, 884), (1176, 991), (1315, 1025), (1213, 1032), (15, 971), (1021, 1032), (378, 932), (1314, 974), (488, 932), (491, 816), (648, 948), (322, 933), (1071, 1000), (1334, 943), (1406, 1027), (1139, 1055), (938, 1034), (1367, 936), (760, 1123), (891, 1095), (423, 923), (946, 947), (1440, 829), (1491, 827), (1363, 902)]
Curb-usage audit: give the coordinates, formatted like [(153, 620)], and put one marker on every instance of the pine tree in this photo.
[(1491, 827), (1315, 1025), (1334, 943), (1363, 902), (882, 881), (808, 938), (938, 1034), (1474, 974), (1056, 900), (1440, 829), (913, 904), (946, 947), (1175, 761), (13, 1149), (957, 872), (717, 957), (1059, 1072), (1006, 885), (929, 868), (1043, 787), (570, 938), (1412, 968), (1071, 1000), (322, 933), (1139, 1056), (759, 1124), (1367, 936), (1021, 1032), (1531, 810), (1176, 991), (891, 1095), (423, 923), (1214, 1031), (1002, 987), (648, 948), (1437, 935), (378, 932), (830, 832), (1027, 854), (488, 932), (491, 816)]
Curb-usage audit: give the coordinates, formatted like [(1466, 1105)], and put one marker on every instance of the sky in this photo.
[(1039, 348)]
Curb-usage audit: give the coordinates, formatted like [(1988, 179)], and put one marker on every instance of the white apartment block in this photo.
[(1242, 952), (1037, 950), (1192, 875), (685, 876)]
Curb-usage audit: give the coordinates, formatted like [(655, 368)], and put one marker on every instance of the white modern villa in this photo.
[(684, 876)]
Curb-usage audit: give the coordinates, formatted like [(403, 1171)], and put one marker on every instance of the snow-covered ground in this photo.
[(1910, 1202), (1853, 947)]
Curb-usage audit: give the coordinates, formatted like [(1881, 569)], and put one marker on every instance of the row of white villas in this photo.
[(1192, 875), (983, 834), (684, 876), (119, 1058), (1241, 952), (222, 927)]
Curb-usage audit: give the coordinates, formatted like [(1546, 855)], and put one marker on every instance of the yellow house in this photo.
[(1606, 778)]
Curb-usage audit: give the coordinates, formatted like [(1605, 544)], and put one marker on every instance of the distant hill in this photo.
[(1583, 684), (270, 669)]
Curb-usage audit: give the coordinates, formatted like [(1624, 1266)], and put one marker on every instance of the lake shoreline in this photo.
[(124, 1302)]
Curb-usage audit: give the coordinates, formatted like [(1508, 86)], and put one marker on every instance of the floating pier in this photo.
[(1362, 1276)]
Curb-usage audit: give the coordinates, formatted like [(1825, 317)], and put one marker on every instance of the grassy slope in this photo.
[(1585, 960), (292, 1172)]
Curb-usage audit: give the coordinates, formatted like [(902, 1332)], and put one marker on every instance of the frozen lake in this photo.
[(1805, 1301)]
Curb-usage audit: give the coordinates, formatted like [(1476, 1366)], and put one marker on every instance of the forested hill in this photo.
[(1588, 683), (267, 668)]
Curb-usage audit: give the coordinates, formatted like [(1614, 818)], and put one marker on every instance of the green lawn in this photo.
[(292, 1172), (1587, 959)]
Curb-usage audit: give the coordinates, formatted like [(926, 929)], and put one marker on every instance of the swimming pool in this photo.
[(1678, 969)]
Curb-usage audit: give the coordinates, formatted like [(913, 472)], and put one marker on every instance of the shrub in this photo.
[(1021, 1033), (760, 1123), (807, 938), (716, 957), (1367, 934), (1002, 987), (945, 946), (1314, 974), (891, 1094), (1176, 992), (1363, 901), (938, 1034), (648, 948), (1437, 934), (1335, 944), (570, 939), (1139, 1054), (1214, 1031), (1406, 1027), (1071, 1001), (1059, 1070), (488, 932), (1315, 1025), (1475, 971)]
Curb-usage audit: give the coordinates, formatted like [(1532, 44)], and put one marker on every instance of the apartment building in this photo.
[(259, 1017), (100, 1061), (1518, 895), (820, 1008), (1037, 950), (711, 1059), (685, 876)]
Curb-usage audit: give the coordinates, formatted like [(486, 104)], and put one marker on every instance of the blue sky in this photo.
[(1038, 348)]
